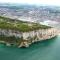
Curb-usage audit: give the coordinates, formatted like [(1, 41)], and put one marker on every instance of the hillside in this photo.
[(22, 34), (7, 23)]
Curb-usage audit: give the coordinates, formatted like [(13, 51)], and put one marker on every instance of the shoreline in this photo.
[(26, 42)]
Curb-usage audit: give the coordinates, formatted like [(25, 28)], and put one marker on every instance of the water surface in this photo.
[(45, 50)]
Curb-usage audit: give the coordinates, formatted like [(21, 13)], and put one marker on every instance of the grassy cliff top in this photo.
[(13, 24)]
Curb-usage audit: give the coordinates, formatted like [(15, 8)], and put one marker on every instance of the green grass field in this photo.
[(13, 24)]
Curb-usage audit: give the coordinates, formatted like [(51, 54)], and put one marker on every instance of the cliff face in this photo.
[(8, 32), (20, 33), (38, 35), (27, 38)]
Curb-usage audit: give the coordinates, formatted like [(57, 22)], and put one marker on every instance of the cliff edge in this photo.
[(22, 34)]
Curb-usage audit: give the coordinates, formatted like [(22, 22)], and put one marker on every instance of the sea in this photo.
[(43, 50)]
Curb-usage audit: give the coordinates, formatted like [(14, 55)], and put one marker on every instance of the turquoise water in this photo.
[(45, 50)]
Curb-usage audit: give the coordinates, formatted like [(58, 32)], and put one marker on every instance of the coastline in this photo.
[(23, 34), (28, 38)]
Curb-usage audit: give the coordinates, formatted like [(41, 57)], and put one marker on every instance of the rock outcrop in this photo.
[(27, 38), (22, 33), (38, 35)]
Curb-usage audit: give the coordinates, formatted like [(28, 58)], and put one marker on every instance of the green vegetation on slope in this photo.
[(13, 24), (10, 39)]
